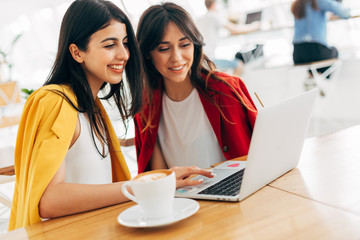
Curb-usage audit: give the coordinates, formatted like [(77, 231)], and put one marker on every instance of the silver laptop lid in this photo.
[(277, 141)]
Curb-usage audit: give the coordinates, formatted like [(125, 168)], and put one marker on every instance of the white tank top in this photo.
[(185, 134), (84, 164)]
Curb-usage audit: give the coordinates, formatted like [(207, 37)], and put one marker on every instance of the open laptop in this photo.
[(275, 149), (253, 17)]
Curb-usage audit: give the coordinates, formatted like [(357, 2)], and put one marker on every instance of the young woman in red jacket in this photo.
[(192, 114)]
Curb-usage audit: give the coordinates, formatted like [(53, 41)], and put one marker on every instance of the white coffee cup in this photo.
[(154, 191)]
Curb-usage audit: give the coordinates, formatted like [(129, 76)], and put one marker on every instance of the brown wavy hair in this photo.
[(150, 32), (298, 7)]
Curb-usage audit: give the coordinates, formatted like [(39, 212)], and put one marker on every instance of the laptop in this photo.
[(275, 149), (253, 17)]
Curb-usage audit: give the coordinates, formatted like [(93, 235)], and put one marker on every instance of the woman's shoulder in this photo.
[(50, 98), (52, 92), (227, 82), (49, 90), (47, 111)]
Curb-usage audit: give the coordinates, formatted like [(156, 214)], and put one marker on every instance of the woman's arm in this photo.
[(334, 7), (60, 198), (183, 174), (157, 160)]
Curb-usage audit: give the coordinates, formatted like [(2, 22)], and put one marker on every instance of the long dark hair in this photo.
[(150, 32), (81, 20), (298, 7)]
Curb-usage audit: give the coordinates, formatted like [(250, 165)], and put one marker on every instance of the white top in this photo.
[(185, 134), (83, 162)]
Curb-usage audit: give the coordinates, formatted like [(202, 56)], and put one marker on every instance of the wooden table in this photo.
[(318, 200), (329, 171)]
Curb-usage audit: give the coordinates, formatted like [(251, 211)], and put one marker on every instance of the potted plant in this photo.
[(27, 92)]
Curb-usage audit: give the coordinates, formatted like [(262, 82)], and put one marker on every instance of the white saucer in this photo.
[(134, 216)]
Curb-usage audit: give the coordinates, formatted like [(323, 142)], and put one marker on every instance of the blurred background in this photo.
[(28, 44)]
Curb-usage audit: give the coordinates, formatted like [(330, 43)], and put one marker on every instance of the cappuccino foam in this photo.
[(150, 177)]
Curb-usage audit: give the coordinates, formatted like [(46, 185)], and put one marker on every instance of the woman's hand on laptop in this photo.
[(184, 175)]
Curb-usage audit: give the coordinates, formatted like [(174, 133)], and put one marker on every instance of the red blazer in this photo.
[(233, 134)]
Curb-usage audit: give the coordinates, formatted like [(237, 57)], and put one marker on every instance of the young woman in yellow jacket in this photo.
[(67, 156)]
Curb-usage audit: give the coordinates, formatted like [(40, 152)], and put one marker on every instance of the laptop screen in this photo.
[(253, 17)]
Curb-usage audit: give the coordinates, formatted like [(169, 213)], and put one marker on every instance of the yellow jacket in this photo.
[(45, 131)]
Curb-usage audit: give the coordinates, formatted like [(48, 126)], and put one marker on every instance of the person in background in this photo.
[(192, 114), (310, 41), (67, 156), (211, 24)]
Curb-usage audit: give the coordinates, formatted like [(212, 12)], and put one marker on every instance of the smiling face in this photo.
[(174, 56), (106, 55)]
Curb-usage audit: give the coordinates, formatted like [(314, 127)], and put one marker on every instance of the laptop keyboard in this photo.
[(229, 186)]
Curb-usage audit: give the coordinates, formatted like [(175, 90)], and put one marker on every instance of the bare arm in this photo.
[(243, 28), (183, 174), (60, 198), (157, 160)]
